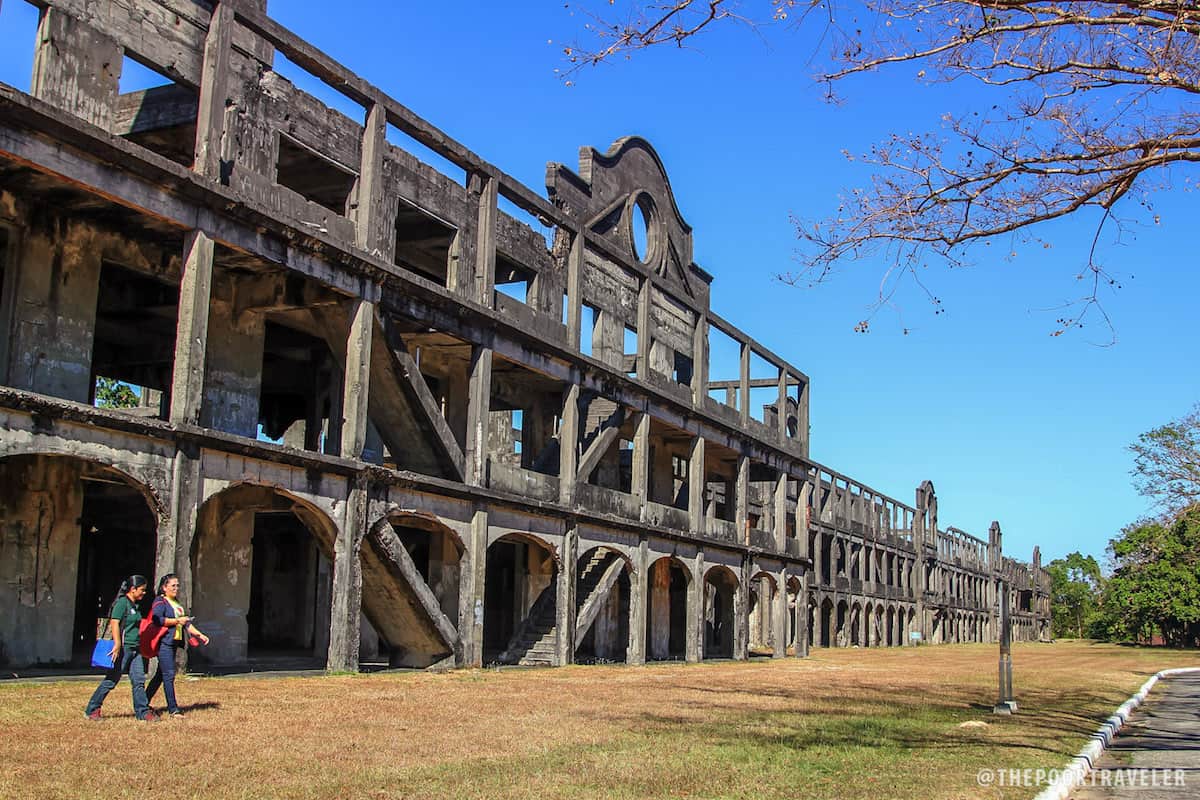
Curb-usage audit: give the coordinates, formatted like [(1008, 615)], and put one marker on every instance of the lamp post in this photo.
[(1005, 704)]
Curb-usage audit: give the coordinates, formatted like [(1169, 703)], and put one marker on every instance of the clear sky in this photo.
[(1008, 422)]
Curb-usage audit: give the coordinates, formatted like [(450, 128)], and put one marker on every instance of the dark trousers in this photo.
[(135, 666), (165, 677)]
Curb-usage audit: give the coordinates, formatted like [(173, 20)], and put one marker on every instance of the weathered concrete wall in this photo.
[(221, 577), (40, 504), (58, 275), (233, 371)]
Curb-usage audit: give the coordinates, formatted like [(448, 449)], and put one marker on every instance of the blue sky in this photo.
[(1008, 422)]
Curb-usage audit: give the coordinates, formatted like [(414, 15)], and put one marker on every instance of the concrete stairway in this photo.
[(536, 638)]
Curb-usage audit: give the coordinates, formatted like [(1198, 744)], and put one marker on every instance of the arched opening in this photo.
[(828, 620), (602, 594), (519, 624), (262, 577), (666, 618), (70, 530), (856, 622), (412, 568), (841, 637), (762, 614), (720, 587)]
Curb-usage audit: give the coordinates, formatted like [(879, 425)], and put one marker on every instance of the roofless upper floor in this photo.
[(354, 196)]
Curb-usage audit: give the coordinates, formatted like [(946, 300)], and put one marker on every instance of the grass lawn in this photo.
[(841, 724)]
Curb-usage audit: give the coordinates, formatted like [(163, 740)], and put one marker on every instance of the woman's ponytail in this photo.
[(129, 584)]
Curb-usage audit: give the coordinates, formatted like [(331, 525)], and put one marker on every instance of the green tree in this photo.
[(1155, 586), (1075, 594), (1167, 463), (111, 393)]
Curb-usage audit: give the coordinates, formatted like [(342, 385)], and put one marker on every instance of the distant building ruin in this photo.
[(398, 413)]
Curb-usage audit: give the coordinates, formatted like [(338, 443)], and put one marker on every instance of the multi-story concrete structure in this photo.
[(425, 414)]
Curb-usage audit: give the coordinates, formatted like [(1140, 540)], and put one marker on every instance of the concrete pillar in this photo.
[(641, 461), (564, 607), (741, 613), (781, 512), (696, 487), (478, 408), (742, 499), (694, 643), (191, 330), (214, 92), (471, 588), (76, 68), (356, 386), (700, 360), (485, 248), (779, 615), (802, 631), (345, 613), (568, 446), (639, 599)]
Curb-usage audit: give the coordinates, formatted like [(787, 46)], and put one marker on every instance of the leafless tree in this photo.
[(1099, 102)]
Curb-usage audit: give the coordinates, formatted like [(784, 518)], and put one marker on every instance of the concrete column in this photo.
[(741, 613), (76, 68), (568, 446), (742, 500), (641, 461), (345, 614), (191, 330), (639, 600), (694, 644), (644, 334), (802, 632), (485, 248), (575, 288), (700, 360), (781, 512), (744, 384), (696, 487), (478, 408), (471, 591), (779, 615), (214, 92), (564, 606), (177, 533), (357, 384)]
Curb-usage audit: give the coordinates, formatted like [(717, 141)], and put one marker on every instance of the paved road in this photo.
[(1163, 738)]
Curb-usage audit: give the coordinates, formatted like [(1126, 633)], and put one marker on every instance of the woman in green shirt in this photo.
[(123, 623)]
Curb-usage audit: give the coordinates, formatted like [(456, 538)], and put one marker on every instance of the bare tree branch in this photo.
[(1099, 107)]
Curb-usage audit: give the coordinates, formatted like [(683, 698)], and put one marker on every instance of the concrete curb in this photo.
[(1074, 773)]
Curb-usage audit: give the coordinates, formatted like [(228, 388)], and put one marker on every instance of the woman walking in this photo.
[(124, 619), (168, 612)]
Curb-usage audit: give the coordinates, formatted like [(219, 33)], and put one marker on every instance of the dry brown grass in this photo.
[(841, 724)]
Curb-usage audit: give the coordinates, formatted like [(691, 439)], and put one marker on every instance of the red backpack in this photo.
[(150, 633)]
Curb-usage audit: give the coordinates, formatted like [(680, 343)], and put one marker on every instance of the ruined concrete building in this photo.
[(400, 413)]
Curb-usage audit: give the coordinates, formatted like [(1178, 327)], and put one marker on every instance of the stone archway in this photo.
[(72, 529), (720, 616), (261, 564), (667, 610), (520, 601)]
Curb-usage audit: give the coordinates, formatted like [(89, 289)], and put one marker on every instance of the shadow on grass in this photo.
[(875, 718)]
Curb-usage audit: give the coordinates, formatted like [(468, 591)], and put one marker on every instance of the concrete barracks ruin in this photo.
[(400, 414)]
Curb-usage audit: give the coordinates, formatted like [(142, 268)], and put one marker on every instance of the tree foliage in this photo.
[(1093, 103), (111, 393), (1155, 586), (1167, 463), (1075, 588)]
